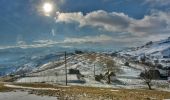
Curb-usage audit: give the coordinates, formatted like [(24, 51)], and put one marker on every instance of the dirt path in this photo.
[(32, 88)]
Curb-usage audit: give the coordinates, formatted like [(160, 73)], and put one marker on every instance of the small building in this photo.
[(74, 71)]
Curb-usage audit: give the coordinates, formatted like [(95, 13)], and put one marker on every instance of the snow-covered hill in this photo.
[(23, 60), (159, 50), (90, 65)]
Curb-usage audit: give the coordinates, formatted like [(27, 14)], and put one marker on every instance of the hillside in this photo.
[(159, 50), (90, 69)]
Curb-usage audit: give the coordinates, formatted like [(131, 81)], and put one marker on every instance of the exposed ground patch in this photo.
[(92, 93)]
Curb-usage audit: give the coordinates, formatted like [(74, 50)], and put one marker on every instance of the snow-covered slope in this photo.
[(87, 64), (155, 50), (152, 48), (23, 60)]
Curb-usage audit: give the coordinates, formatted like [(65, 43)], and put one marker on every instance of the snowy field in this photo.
[(127, 77), (23, 96)]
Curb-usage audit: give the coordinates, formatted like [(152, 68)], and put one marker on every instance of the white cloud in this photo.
[(120, 41), (35, 44), (89, 39), (69, 17), (156, 23), (21, 42), (108, 21), (67, 42), (155, 26), (26, 46)]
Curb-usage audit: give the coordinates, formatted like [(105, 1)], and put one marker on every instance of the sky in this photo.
[(83, 23)]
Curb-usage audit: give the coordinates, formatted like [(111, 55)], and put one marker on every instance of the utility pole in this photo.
[(66, 67), (167, 72), (94, 70)]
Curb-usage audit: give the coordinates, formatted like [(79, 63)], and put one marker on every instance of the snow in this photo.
[(129, 72), (55, 79), (23, 96), (128, 77), (156, 49)]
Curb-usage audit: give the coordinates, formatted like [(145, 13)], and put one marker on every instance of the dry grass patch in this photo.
[(4, 89), (92, 93)]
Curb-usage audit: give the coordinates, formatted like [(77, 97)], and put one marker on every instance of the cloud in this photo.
[(109, 21), (117, 28), (67, 42), (78, 40), (21, 42), (158, 2), (26, 46), (35, 44), (156, 23), (89, 39), (99, 40)]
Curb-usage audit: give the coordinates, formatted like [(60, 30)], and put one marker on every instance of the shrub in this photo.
[(126, 64), (99, 77)]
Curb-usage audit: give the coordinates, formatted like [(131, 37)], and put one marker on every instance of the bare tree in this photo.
[(112, 68), (147, 77), (109, 65), (149, 74)]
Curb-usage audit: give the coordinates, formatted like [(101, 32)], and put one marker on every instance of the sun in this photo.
[(47, 7)]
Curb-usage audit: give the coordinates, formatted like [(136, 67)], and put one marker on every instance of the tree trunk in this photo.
[(109, 79), (149, 85)]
